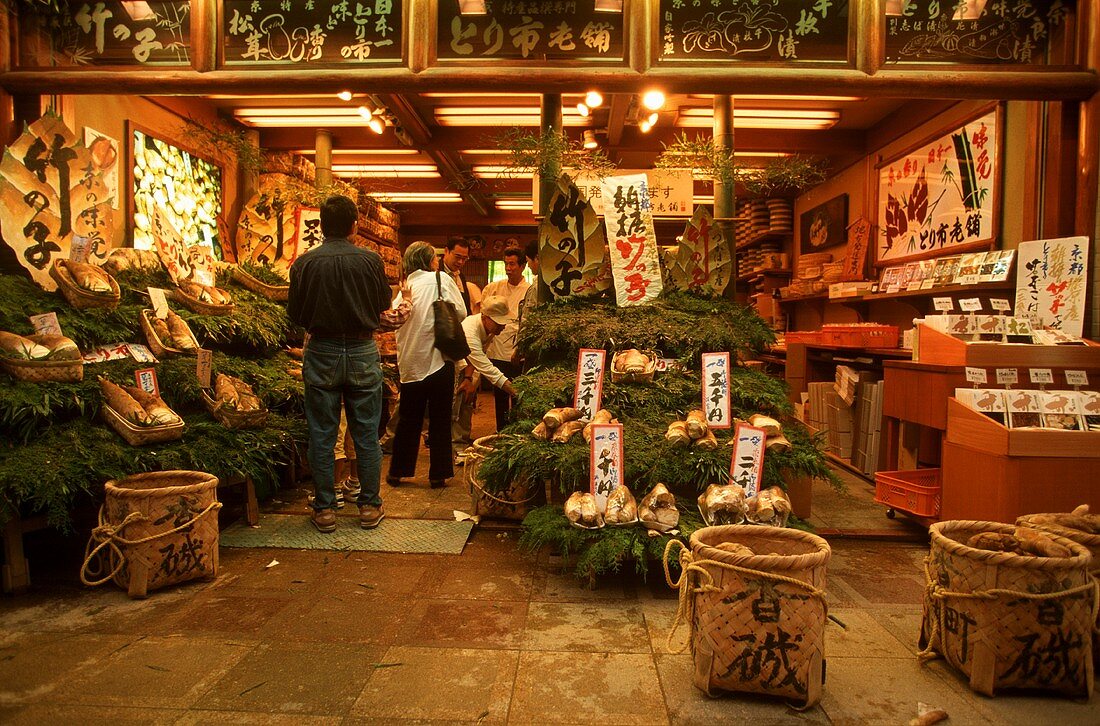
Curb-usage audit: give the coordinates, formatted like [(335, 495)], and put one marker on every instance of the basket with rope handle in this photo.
[(757, 619), (1007, 620), (155, 529), (513, 503)]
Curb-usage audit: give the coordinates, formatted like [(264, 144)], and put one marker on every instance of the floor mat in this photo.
[(392, 535)]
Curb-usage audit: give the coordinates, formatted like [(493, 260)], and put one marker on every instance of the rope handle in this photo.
[(108, 535)]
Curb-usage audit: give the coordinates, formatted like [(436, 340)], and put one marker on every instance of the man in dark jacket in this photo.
[(338, 293)]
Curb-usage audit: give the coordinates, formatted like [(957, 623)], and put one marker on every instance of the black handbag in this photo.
[(450, 338)]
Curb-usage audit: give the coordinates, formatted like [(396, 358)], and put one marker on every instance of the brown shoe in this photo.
[(324, 520), (370, 516)]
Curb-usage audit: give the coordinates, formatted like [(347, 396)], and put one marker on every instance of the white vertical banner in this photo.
[(606, 461), (588, 393), (716, 389), (747, 464), (628, 217), (1050, 283)]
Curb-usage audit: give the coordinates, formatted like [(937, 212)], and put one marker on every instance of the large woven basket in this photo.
[(512, 503), (77, 296), (155, 529), (230, 418), (140, 435), (1091, 542), (757, 620), (278, 293), (198, 306), (158, 346), (617, 374), (44, 371), (1007, 620)]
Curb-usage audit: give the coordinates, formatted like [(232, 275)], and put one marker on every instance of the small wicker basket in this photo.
[(512, 503), (43, 371), (618, 374), (140, 435), (77, 296), (277, 293), (198, 306), (230, 418), (158, 346)]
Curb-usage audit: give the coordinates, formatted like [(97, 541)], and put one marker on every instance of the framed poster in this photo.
[(942, 196), (823, 226)]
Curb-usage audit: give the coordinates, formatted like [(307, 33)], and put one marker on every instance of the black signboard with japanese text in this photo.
[(1016, 32), (311, 32), (530, 30), (106, 33), (754, 31)]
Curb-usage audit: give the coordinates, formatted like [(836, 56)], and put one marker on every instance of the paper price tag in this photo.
[(140, 353), (1041, 375), (79, 248), (588, 390), (204, 277), (970, 304), (159, 301), (606, 461), (146, 379), (716, 389), (943, 304), (747, 463), (976, 375), (202, 367), (1007, 376), (999, 303), (1077, 378), (46, 324)]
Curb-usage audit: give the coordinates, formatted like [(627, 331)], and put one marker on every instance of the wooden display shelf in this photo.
[(805, 298), (984, 288), (967, 427), (761, 238), (760, 274), (940, 348)]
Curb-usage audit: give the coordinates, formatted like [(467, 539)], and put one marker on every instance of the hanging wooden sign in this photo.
[(635, 263), (572, 245), (703, 258), (532, 31), (855, 257)]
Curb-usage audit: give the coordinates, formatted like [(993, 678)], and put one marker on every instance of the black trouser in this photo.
[(435, 395), (502, 400)]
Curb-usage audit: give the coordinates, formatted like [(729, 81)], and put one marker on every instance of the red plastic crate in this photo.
[(916, 491), (860, 336)]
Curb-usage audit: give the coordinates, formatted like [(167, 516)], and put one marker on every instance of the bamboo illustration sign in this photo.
[(703, 260), (572, 245), (269, 225), (941, 197)]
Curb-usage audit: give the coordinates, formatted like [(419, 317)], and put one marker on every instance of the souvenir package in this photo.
[(890, 278), (944, 273), (621, 507), (969, 268), (1059, 409), (907, 274), (990, 327), (985, 271), (1023, 409), (989, 401), (723, 504), (1018, 330), (1001, 266), (1089, 404), (658, 509), (926, 275)]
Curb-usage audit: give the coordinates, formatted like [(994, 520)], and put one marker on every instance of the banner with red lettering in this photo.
[(628, 217)]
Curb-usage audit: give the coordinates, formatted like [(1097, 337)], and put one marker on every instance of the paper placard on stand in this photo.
[(105, 353), (1041, 376), (943, 304), (46, 324), (716, 389), (202, 367), (1007, 376), (80, 248), (141, 353), (146, 379), (976, 375), (159, 302), (635, 264), (970, 304), (999, 303), (588, 392), (1050, 283), (204, 277), (606, 462), (1077, 378), (747, 463)]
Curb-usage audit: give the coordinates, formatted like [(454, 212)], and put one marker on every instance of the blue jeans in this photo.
[(347, 370)]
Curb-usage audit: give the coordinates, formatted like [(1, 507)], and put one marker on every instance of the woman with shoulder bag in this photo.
[(427, 377)]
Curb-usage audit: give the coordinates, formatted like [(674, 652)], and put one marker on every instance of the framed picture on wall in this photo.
[(824, 225), (943, 195)]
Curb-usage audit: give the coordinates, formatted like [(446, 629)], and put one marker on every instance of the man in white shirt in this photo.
[(453, 259), (502, 348), (480, 329)]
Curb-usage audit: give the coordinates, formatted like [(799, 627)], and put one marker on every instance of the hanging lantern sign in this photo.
[(635, 264)]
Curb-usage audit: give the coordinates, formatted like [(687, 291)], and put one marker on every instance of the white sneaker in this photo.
[(339, 498)]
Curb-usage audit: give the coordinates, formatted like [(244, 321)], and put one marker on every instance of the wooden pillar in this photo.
[(323, 157), (724, 190), (204, 35), (550, 116), (866, 32), (1087, 218)]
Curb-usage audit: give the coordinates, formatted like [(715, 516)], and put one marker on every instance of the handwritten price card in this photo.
[(747, 465), (606, 462), (716, 389), (589, 389)]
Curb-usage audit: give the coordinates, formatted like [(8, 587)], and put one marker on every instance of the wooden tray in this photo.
[(138, 435), (966, 427), (939, 348), (233, 419), (157, 345)]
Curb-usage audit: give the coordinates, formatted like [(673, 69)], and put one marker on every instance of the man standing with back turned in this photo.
[(338, 293)]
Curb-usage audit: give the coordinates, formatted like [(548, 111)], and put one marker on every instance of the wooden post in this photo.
[(204, 35), (550, 117), (865, 35), (724, 191), (1087, 218), (323, 157)]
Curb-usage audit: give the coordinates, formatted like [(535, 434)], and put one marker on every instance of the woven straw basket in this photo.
[(198, 306), (617, 374), (757, 621), (140, 435), (278, 293), (513, 503), (1007, 620), (155, 530), (158, 346), (230, 418), (77, 296), (42, 371), (1091, 542)]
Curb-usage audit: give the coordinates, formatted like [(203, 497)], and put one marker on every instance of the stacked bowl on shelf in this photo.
[(780, 215)]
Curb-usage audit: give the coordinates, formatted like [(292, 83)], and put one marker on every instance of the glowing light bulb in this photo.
[(653, 119), (582, 109), (344, 95), (645, 126), (593, 99), (376, 125), (653, 100)]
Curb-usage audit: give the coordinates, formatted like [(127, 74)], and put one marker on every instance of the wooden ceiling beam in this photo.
[(616, 117)]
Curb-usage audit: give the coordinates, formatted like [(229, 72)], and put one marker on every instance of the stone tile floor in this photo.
[(493, 635)]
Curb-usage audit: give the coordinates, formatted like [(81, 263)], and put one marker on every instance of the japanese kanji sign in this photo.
[(703, 258), (269, 225), (855, 256), (572, 245), (606, 462), (1050, 283), (941, 196), (635, 264), (52, 190), (307, 226), (46, 324), (671, 191), (105, 353), (747, 464), (309, 32), (588, 392), (146, 379), (716, 389)]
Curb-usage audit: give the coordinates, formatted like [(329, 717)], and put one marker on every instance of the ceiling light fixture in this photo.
[(376, 125), (653, 100), (344, 95), (472, 7), (590, 139), (645, 126), (593, 99), (608, 6), (366, 112)]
